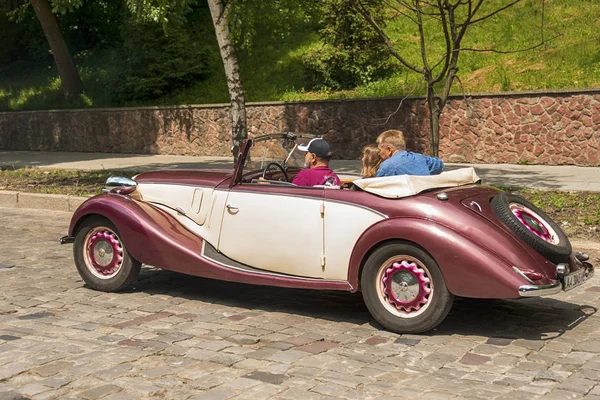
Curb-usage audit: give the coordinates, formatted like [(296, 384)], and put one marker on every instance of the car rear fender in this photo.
[(469, 270), (144, 229)]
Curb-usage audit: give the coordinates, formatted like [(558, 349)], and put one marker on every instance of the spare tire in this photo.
[(533, 226)]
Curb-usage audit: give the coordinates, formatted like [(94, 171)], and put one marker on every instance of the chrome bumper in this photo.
[(66, 239), (540, 290), (555, 287)]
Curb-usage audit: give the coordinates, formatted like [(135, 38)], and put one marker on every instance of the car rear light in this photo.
[(529, 274)]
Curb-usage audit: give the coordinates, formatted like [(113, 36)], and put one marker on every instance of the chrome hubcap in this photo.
[(103, 252), (534, 223), (404, 286)]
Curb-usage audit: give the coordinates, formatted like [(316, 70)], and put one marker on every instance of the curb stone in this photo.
[(53, 202)]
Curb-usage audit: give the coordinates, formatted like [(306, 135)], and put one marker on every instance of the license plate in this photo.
[(575, 279)]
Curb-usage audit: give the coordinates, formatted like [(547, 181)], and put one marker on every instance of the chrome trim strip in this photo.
[(474, 203), (316, 198), (540, 290), (186, 184), (359, 206), (518, 271), (260, 272)]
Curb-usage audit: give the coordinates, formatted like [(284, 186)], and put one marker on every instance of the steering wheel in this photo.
[(285, 175)]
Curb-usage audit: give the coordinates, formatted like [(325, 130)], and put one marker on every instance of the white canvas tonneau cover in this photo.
[(408, 185)]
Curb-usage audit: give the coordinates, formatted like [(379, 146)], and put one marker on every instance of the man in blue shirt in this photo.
[(398, 161)]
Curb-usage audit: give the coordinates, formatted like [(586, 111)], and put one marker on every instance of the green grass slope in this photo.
[(273, 70)]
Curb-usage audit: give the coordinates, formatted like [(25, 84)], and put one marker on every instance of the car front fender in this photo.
[(469, 270), (145, 230)]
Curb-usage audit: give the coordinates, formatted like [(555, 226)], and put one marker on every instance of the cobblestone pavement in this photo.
[(179, 337)]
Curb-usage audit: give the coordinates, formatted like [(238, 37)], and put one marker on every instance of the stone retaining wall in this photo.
[(549, 128)]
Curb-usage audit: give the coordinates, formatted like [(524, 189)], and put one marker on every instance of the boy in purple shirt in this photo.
[(316, 160)]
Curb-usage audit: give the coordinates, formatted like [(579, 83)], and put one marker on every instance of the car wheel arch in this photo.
[(460, 260), (83, 219)]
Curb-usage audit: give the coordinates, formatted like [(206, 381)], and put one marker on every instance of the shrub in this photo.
[(351, 53), (158, 60)]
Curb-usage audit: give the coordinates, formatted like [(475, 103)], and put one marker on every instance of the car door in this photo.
[(345, 219), (274, 228)]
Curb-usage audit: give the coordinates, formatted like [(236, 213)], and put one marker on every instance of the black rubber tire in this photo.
[(557, 253), (440, 302), (130, 267)]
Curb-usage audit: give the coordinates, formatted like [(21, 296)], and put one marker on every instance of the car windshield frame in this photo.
[(295, 137)]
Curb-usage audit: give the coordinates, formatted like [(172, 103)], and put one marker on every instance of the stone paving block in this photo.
[(318, 347), (560, 394), (220, 393), (226, 359), (33, 388), (274, 379), (8, 199), (99, 392), (121, 396), (241, 383), (288, 356), (55, 202), (578, 385), (52, 368), (474, 359)]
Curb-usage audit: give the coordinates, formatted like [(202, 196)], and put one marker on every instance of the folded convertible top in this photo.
[(408, 185)]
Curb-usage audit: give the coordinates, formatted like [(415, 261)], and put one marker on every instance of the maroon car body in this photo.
[(409, 256)]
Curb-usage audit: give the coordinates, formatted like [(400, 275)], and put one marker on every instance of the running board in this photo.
[(210, 253)]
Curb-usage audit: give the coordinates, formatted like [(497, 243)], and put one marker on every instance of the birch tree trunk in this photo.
[(239, 130), (69, 77)]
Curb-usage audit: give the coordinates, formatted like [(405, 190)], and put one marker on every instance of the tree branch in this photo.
[(543, 42), (383, 36), (448, 46), (401, 12), (422, 38), (495, 12)]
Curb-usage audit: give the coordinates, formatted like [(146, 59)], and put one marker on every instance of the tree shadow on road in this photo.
[(531, 319)]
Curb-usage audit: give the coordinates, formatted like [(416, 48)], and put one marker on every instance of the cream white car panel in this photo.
[(344, 223), (195, 202), (210, 230), (274, 232)]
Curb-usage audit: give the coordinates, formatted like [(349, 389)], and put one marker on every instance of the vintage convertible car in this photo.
[(409, 244)]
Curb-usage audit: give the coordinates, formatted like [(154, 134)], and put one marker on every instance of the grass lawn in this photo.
[(578, 213)]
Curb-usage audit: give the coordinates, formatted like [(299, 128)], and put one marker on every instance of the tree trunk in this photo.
[(69, 77), (239, 131), (434, 121)]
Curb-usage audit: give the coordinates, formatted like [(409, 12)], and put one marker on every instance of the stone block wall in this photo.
[(536, 128)]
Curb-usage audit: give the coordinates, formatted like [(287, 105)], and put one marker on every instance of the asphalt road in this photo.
[(177, 337)]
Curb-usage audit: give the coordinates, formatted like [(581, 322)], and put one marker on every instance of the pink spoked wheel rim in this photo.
[(534, 223), (103, 252), (404, 286)]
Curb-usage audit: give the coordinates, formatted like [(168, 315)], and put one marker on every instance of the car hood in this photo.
[(203, 178)]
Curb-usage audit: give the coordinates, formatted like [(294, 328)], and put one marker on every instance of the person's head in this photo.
[(389, 142), (318, 153), (370, 161)]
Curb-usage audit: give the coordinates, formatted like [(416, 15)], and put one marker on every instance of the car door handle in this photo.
[(232, 209)]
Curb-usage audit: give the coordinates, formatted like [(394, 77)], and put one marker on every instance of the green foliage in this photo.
[(156, 63), (351, 53), (249, 18), (274, 70)]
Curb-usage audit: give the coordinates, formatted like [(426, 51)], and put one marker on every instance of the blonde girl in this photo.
[(370, 161)]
